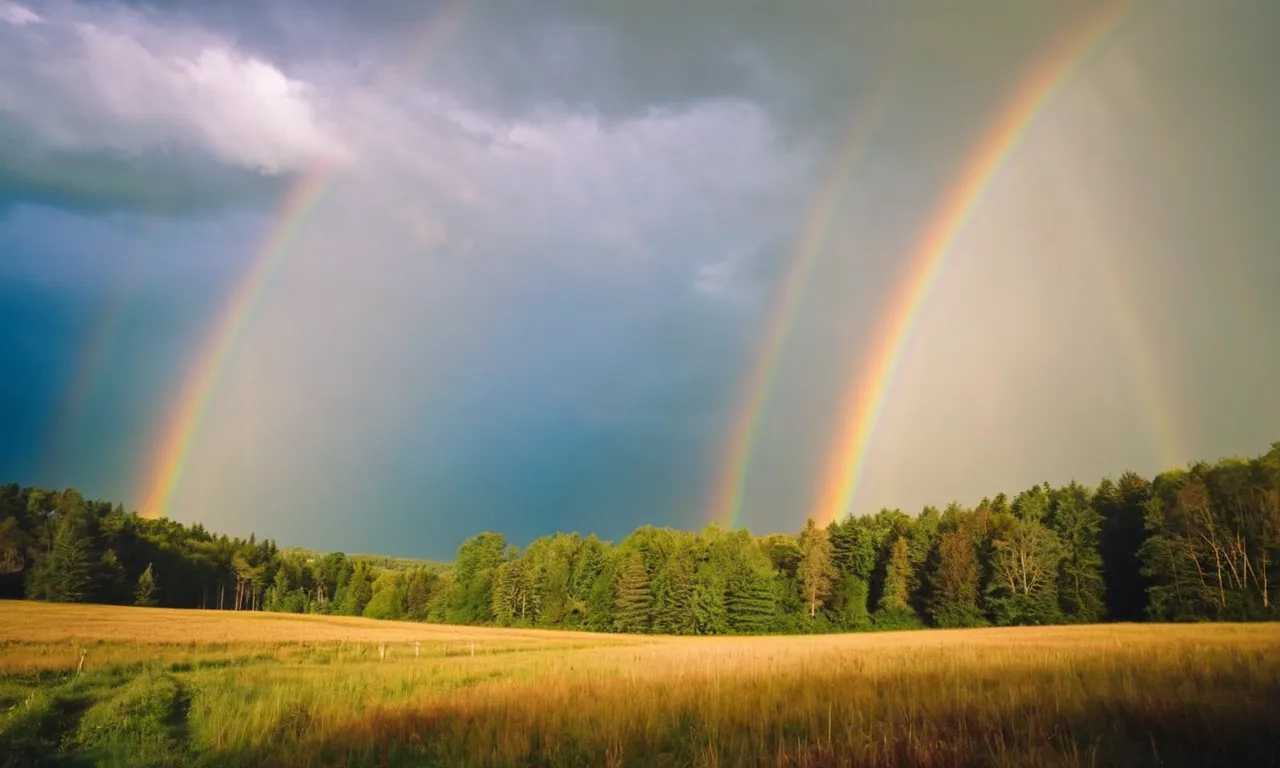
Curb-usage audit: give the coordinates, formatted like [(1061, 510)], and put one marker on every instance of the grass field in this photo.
[(165, 687)]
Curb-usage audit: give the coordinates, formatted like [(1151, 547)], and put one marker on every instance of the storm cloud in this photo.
[(548, 238)]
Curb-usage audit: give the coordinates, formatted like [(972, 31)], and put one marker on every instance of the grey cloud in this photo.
[(101, 182)]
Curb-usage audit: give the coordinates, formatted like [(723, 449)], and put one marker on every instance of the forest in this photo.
[(1194, 544)]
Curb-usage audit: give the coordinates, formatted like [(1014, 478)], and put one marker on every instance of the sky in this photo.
[(376, 277)]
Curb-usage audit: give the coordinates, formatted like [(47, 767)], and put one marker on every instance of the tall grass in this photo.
[(310, 694)]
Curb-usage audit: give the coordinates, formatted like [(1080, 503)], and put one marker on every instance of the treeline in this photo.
[(1199, 544)]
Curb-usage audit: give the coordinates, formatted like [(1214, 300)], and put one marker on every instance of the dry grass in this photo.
[(189, 687)]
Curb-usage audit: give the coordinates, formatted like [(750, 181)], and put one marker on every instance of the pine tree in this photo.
[(815, 571), (673, 599), (145, 593), (602, 600), (65, 574), (748, 600), (110, 582), (894, 610), (1081, 591), (709, 614), (634, 600)]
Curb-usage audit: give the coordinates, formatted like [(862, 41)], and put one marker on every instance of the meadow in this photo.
[(103, 685)]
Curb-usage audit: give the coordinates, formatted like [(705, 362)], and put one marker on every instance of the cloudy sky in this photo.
[(523, 256)]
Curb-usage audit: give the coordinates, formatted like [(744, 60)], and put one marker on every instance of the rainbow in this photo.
[(181, 427), (94, 358), (864, 402), (730, 486), (1154, 392), (202, 382)]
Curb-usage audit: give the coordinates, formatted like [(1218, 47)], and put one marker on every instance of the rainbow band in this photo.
[(865, 401), (193, 403), (726, 505), (182, 425), (1155, 392)]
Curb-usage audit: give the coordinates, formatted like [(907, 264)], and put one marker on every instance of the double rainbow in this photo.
[(726, 504)]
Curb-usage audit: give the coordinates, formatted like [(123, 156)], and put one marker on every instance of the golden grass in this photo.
[(270, 690)]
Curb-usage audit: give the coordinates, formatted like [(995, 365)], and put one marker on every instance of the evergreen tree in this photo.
[(634, 601), (1081, 592), (1123, 506), (815, 570), (710, 616), (894, 609), (1201, 543), (956, 582), (673, 597), (748, 601), (422, 586), (110, 584), (65, 574), (145, 593), (602, 600)]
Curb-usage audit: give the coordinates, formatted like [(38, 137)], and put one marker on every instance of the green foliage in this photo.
[(815, 571), (1122, 506), (358, 591), (471, 595), (1213, 542), (673, 596), (896, 594), (387, 603), (602, 599), (517, 592), (634, 599), (1081, 591), (956, 582), (65, 575), (710, 616), (1023, 588), (1197, 544), (145, 592), (748, 600), (110, 582), (422, 585), (849, 604), (894, 610)]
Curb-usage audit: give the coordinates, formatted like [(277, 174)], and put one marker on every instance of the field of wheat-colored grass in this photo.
[(166, 687)]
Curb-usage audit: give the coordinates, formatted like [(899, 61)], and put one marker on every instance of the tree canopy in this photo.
[(1194, 544)]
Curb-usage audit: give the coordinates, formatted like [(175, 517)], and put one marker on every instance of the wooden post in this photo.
[(417, 648), (80, 666), (473, 649), (382, 652)]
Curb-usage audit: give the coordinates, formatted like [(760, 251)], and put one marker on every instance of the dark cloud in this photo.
[(530, 301), (96, 182)]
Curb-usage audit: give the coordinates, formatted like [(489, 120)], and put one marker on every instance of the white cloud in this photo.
[(114, 80), (18, 15)]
